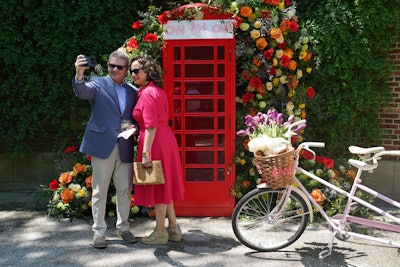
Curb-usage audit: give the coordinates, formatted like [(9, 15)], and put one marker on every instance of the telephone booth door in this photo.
[(200, 82)]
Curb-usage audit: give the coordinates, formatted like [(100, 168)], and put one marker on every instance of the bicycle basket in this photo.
[(277, 171)]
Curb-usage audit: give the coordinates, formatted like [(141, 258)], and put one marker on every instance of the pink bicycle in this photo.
[(268, 219)]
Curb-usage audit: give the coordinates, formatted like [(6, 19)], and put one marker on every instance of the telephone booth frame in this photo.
[(199, 78)]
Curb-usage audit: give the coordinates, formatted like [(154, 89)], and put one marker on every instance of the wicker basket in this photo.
[(277, 171)]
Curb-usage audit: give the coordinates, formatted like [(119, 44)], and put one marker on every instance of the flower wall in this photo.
[(275, 57)]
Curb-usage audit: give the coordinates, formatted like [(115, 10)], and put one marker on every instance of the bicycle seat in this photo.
[(363, 151)]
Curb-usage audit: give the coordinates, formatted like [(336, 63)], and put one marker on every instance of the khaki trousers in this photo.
[(122, 174)]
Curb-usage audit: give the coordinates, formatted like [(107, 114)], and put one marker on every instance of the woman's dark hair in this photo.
[(151, 68)]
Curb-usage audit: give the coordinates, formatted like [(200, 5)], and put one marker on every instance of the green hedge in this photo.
[(355, 38), (39, 43)]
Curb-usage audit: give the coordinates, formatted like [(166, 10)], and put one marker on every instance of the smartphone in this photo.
[(91, 61)]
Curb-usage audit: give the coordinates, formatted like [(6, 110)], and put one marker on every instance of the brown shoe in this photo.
[(127, 236), (174, 233), (99, 241), (156, 238)]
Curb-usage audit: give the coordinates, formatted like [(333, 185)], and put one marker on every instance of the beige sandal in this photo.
[(174, 233), (157, 237)]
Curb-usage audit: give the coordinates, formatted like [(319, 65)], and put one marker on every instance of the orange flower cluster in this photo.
[(281, 54)]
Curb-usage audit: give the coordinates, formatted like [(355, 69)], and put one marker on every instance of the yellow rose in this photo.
[(309, 70), (290, 106), (299, 74), (302, 105), (257, 24), (262, 104), (269, 86), (275, 62), (279, 53), (255, 34), (275, 81), (242, 162), (302, 54)]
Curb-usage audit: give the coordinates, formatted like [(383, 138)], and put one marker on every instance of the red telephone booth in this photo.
[(199, 65)]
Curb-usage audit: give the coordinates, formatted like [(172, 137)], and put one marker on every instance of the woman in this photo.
[(156, 142)]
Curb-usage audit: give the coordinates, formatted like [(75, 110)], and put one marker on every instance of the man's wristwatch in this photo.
[(145, 154)]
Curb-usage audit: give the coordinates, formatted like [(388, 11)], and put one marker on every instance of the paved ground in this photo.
[(29, 238)]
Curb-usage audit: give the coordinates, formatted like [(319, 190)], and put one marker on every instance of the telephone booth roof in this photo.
[(210, 12)]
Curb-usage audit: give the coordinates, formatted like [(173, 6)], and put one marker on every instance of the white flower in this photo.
[(267, 145), (74, 187)]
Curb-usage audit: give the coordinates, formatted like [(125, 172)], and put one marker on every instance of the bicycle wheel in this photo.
[(254, 224)]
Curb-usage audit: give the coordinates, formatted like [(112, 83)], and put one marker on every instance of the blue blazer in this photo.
[(104, 124)]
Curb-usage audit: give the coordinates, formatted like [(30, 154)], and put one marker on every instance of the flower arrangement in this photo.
[(148, 35), (69, 196), (276, 52), (268, 133)]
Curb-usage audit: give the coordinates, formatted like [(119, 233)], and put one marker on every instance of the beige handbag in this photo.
[(148, 176)]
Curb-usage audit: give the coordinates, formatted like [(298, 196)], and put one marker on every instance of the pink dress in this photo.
[(151, 110)]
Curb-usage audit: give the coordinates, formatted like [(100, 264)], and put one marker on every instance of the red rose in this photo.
[(293, 26), (247, 97), (137, 25), (287, 3), (307, 154), (150, 38), (268, 53), (54, 185), (164, 17), (89, 158), (272, 71), (282, 45), (69, 149), (256, 82), (327, 162), (285, 61), (310, 92), (132, 43), (237, 21)]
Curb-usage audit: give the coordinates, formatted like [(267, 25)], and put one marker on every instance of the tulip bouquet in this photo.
[(269, 133)]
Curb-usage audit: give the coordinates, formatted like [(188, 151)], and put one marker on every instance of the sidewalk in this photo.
[(29, 238)]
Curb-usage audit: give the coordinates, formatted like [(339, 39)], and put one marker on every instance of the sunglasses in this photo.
[(136, 71), (112, 66)]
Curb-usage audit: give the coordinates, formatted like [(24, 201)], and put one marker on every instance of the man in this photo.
[(112, 100)]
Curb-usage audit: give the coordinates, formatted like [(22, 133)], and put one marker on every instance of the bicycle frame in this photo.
[(338, 222)]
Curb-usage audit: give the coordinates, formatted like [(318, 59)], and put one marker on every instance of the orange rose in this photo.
[(245, 143), (288, 52), (292, 65), (308, 57), (79, 168), (65, 178), (246, 11), (67, 196), (261, 43), (275, 33), (88, 181), (285, 25), (257, 61), (317, 195), (351, 174), (133, 200)]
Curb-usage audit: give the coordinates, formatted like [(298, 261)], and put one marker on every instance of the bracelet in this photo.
[(145, 154)]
